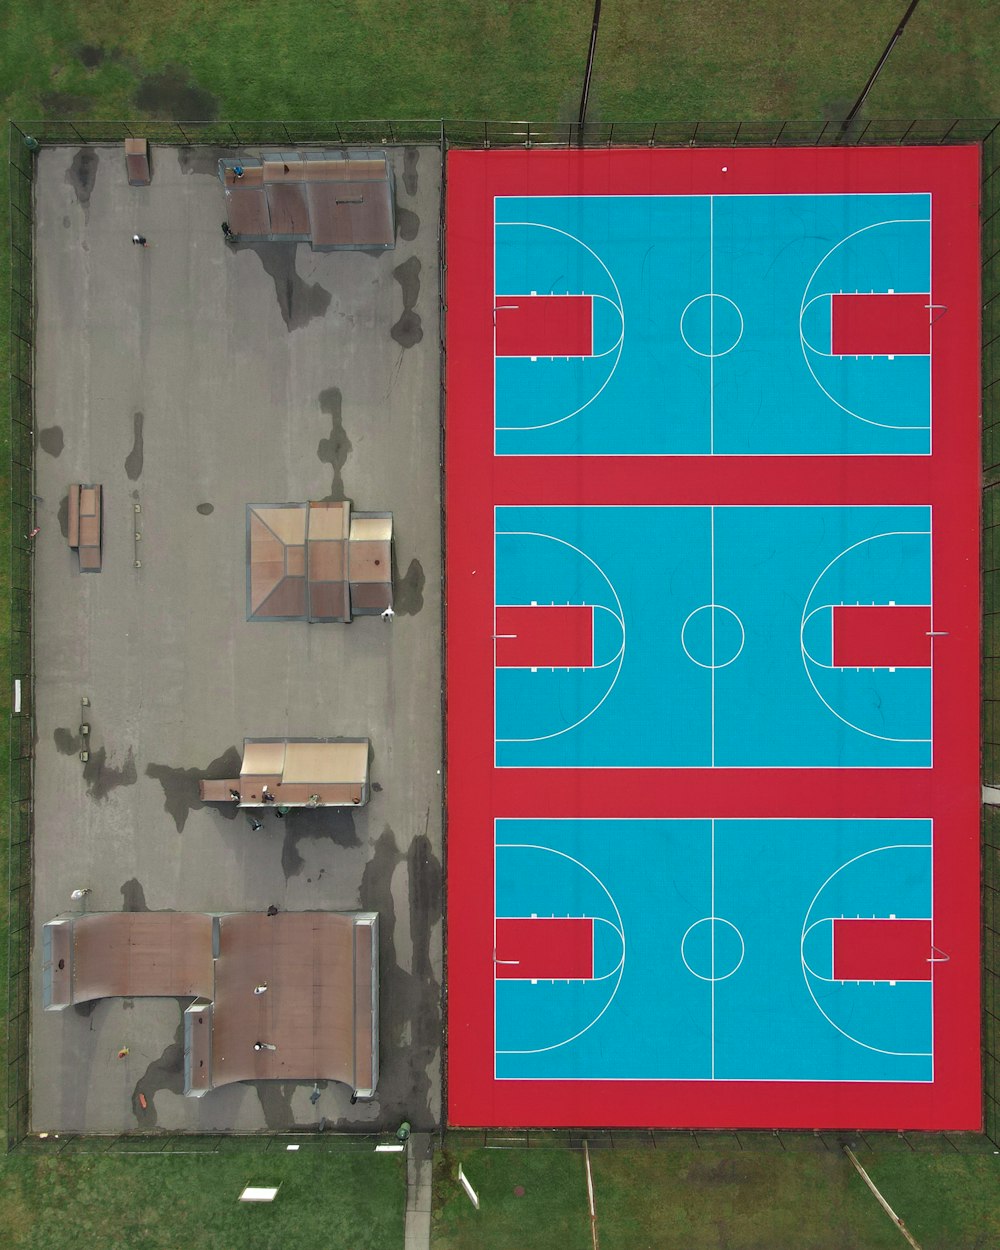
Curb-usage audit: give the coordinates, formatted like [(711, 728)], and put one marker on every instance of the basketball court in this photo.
[(713, 625)]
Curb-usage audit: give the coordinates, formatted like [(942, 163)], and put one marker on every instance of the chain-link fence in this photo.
[(168, 1143), (991, 625), (715, 1140), (24, 139), (486, 134), (19, 675)]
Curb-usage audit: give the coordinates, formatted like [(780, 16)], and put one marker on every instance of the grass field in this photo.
[(494, 58), (716, 1196), (656, 60), (341, 1201)]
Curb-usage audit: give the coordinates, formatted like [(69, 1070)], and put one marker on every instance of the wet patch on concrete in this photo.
[(408, 223), (51, 440), (276, 1102), (65, 223), (166, 1072), (314, 823), (425, 901), (299, 301), (206, 509), (336, 449), (408, 330), (408, 593), (67, 742), (133, 896), (81, 176), (171, 93), (90, 56), (64, 516), (198, 161), (101, 778), (133, 461), (410, 1010), (376, 787), (180, 786), (411, 157)]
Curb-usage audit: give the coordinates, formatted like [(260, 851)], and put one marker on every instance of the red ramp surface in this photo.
[(542, 948), (881, 325), (881, 950), (545, 637), (881, 637), (544, 325)]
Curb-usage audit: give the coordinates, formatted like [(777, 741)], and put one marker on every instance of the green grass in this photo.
[(552, 1212), (656, 59), (717, 1198), (338, 1201)]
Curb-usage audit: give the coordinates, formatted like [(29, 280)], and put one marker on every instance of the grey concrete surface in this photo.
[(419, 1178), (190, 378)]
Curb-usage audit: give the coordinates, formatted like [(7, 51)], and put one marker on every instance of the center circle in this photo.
[(711, 325), (712, 949), (712, 636)]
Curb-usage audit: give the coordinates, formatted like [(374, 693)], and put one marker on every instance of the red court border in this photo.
[(948, 481)]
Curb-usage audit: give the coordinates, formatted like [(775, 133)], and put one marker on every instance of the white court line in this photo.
[(711, 399), (605, 976), (621, 621), (907, 1054), (528, 846), (779, 820), (852, 355), (864, 980), (894, 221), (712, 575), (594, 607), (824, 607), (806, 613), (786, 196), (591, 355), (544, 508), (620, 344)]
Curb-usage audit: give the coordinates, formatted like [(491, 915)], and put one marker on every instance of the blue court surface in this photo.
[(712, 950), (712, 325), (712, 637)]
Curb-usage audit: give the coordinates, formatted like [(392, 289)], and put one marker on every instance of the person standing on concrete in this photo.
[(260, 989), (77, 895), (140, 240)]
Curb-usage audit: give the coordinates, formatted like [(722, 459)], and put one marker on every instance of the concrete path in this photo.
[(419, 1164)]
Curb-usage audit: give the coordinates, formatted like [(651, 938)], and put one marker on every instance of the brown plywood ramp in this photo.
[(91, 528), (318, 1010), (137, 162), (142, 955)]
